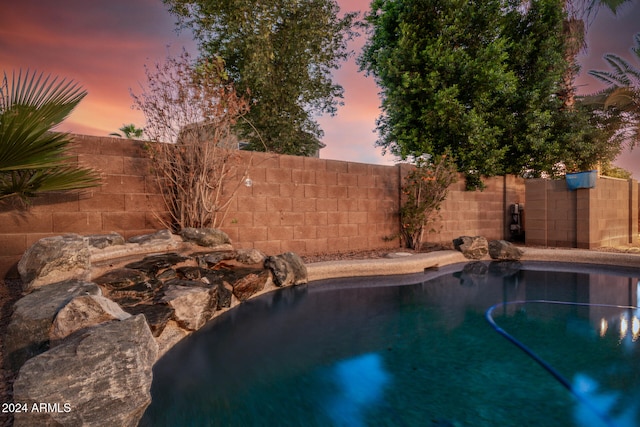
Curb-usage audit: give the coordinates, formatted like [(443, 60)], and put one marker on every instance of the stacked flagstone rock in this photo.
[(98, 312)]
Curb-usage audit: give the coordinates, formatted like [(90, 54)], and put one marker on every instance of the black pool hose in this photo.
[(489, 316)]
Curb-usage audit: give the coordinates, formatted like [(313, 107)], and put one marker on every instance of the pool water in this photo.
[(416, 350)]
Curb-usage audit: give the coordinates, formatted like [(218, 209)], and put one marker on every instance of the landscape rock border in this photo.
[(93, 336)]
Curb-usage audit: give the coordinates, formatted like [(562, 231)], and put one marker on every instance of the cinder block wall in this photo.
[(606, 215), (126, 202), (311, 205), (612, 213), (479, 213), (305, 205), (551, 213)]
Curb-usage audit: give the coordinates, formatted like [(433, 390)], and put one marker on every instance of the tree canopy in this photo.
[(475, 78), (482, 80), (282, 55)]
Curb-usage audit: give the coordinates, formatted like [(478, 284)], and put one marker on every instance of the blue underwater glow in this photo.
[(360, 384), (604, 401)]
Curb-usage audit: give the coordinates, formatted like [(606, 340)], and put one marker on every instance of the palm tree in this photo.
[(129, 131), (623, 92), (33, 158), (574, 31), (624, 75)]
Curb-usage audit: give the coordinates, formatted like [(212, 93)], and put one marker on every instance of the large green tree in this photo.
[(282, 54), (537, 131), (473, 78)]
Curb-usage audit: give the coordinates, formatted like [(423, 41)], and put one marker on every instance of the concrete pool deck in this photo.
[(419, 262)]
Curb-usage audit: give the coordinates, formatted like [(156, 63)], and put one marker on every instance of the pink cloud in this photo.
[(101, 46)]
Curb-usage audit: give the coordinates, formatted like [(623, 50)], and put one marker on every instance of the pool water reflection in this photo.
[(412, 351), (359, 385)]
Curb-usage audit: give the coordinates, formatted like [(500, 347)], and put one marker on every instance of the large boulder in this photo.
[(28, 331), (157, 315), (472, 247), (82, 312), (287, 268), (224, 290), (250, 284), (208, 237), (504, 251), (212, 259), (192, 306), (152, 264), (120, 278), (103, 375), (190, 272), (225, 294), (170, 336), (55, 259)]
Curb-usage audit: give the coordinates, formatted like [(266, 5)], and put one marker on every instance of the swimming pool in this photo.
[(416, 350)]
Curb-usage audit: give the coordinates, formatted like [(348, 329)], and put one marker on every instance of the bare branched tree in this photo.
[(190, 108)]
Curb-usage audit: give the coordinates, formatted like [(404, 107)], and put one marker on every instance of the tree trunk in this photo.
[(574, 41)]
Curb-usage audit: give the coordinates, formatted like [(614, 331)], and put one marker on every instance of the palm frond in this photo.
[(620, 67), (29, 108), (38, 90), (26, 184), (636, 49), (606, 77), (33, 158), (595, 99), (623, 98)]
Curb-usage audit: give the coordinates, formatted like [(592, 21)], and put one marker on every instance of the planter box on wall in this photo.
[(585, 179)]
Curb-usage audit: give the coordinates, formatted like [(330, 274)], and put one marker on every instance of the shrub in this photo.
[(424, 190), (190, 108)]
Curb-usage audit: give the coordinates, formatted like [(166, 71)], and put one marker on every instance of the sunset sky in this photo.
[(104, 45)]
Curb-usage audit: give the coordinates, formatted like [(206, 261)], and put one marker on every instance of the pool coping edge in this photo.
[(419, 262)]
